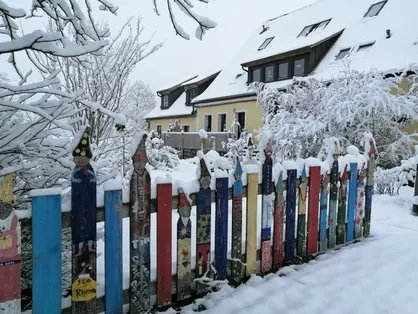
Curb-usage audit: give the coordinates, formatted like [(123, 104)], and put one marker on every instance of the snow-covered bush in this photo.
[(242, 147), (310, 110), (389, 181), (161, 157)]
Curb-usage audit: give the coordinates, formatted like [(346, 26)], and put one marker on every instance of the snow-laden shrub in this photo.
[(389, 181), (242, 147), (161, 157), (310, 110)]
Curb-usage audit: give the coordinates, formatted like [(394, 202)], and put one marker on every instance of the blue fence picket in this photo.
[(352, 192), (221, 228), (113, 252), (290, 216), (46, 251)]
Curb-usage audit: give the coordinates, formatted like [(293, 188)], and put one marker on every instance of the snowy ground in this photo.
[(376, 276)]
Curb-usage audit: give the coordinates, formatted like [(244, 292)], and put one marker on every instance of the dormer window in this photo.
[(165, 102), (257, 75), (342, 54), (375, 9), (265, 43), (365, 47), (311, 28)]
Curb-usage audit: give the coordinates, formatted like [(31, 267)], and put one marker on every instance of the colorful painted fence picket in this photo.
[(306, 209)]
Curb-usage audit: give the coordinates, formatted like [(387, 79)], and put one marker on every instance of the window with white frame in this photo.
[(221, 122), (208, 123)]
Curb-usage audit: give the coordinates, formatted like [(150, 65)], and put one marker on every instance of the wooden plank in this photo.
[(140, 223), (113, 252), (351, 207), (46, 251), (342, 208), (221, 228), (164, 244), (267, 210), (251, 238), (323, 213), (313, 209), (290, 216), (278, 239), (184, 249), (333, 199), (83, 222), (358, 228), (369, 188), (10, 250), (301, 228), (203, 229), (236, 246)]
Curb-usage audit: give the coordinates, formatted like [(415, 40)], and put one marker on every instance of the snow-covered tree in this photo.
[(106, 80), (310, 110), (36, 113)]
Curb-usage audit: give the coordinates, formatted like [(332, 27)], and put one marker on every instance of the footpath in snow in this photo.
[(376, 276)]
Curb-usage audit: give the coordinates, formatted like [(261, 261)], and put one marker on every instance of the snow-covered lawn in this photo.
[(376, 276)]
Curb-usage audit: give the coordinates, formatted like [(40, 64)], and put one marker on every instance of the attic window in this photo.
[(265, 43), (165, 101), (309, 29), (342, 54), (375, 9), (365, 47)]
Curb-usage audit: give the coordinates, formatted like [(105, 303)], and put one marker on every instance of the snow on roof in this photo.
[(177, 84), (178, 108), (347, 16), (201, 77)]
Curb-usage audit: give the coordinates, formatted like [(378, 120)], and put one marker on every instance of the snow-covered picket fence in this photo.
[(318, 205)]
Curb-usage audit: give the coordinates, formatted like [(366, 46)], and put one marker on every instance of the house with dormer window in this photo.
[(318, 41), (176, 108)]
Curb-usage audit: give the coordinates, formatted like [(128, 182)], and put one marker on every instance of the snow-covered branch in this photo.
[(187, 8)]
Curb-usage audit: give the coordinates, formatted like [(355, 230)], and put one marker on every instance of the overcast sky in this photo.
[(179, 59)]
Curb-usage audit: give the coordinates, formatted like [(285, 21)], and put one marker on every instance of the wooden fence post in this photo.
[(203, 227), (267, 210), (342, 205), (164, 244), (236, 246), (369, 188), (251, 238), (10, 249), (184, 249), (352, 186), (140, 223), (301, 229), (278, 241), (221, 228), (323, 213), (358, 229), (46, 251), (333, 199), (313, 209), (83, 226), (290, 215), (113, 252), (415, 206)]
